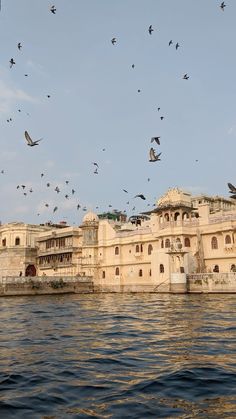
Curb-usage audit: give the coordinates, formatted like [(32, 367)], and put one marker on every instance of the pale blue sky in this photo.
[(95, 103)]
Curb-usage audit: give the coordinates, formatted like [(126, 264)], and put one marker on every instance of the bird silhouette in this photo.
[(29, 140), (177, 46), (232, 188), (185, 76), (223, 5), (19, 46), (157, 139), (170, 42), (150, 29), (140, 196), (125, 190), (133, 66), (113, 41), (53, 10), (12, 62), (55, 209), (153, 156)]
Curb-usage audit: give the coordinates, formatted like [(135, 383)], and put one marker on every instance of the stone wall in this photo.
[(44, 285), (212, 282)]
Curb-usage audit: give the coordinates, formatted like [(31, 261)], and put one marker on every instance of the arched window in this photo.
[(149, 249), (141, 248), (216, 268), (103, 274), (227, 239), (176, 216), (140, 272), (214, 243), (167, 243), (4, 242), (162, 244), (17, 241), (185, 216), (137, 248), (117, 271), (166, 216), (117, 250), (233, 268), (162, 269), (187, 242)]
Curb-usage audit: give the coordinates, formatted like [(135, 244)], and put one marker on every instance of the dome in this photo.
[(90, 217)]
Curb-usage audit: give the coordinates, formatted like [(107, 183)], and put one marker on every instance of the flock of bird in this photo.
[(153, 155)]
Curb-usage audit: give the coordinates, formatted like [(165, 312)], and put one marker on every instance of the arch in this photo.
[(17, 241), (150, 249), (187, 242), (137, 248), (167, 217), (216, 268), (176, 216), (117, 250), (162, 268), (233, 268), (227, 239), (140, 272), (161, 219), (117, 272), (185, 216), (30, 270), (214, 243), (167, 242)]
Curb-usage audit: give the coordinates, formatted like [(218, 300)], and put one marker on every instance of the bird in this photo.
[(57, 189), (148, 179), (26, 75), (47, 205), (95, 164), (19, 46), (31, 190), (48, 184), (170, 42), (113, 41), (158, 109), (177, 46), (29, 140), (233, 196), (12, 62), (23, 186), (72, 191), (78, 206), (67, 196), (139, 90), (67, 181), (133, 66), (152, 155), (223, 5), (185, 76), (55, 209), (157, 139), (48, 96), (96, 171), (125, 190), (140, 196), (161, 118), (42, 174), (150, 29), (2, 171), (232, 188), (53, 10)]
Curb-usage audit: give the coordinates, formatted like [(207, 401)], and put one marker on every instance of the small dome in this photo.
[(90, 217)]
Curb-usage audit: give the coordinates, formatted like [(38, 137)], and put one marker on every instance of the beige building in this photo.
[(184, 234)]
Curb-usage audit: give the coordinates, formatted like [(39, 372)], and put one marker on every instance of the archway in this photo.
[(30, 270)]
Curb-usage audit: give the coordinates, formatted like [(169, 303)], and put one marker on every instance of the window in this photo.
[(137, 248), (214, 243), (162, 269), (140, 272), (216, 268), (17, 241), (149, 249), (176, 216), (167, 243), (117, 271), (141, 248), (103, 274), (227, 239), (162, 244), (167, 218), (181, 269), (150, 272), (4, 242), (233, 268), (117, 251), (187, 242)]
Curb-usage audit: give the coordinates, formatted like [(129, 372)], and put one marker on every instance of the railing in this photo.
[(43, 279), (222, 218), (134, 232), (184, 223)]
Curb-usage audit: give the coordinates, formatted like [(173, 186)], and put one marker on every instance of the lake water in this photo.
[(118, 356)]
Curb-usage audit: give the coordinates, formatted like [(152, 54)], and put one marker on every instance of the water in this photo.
[(118, 356)]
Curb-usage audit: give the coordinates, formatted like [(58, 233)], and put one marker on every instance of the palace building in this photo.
[(183, 234)]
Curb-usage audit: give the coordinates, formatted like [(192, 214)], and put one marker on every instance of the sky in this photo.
[(101, 110)]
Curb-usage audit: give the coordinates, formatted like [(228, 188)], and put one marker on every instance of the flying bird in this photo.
[(232, 188), (125, 190), (177, 46), (140, 196), (170, 42), (150, 29), (133, 66), (185, 76), (19, 46), (53, 10), (223, 5), (12, 62), (78, 206), (95, 164), (153, 156), (157, 139), (55, 209), (113, 41), (29, 140), (161, 118), (67, 181)]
